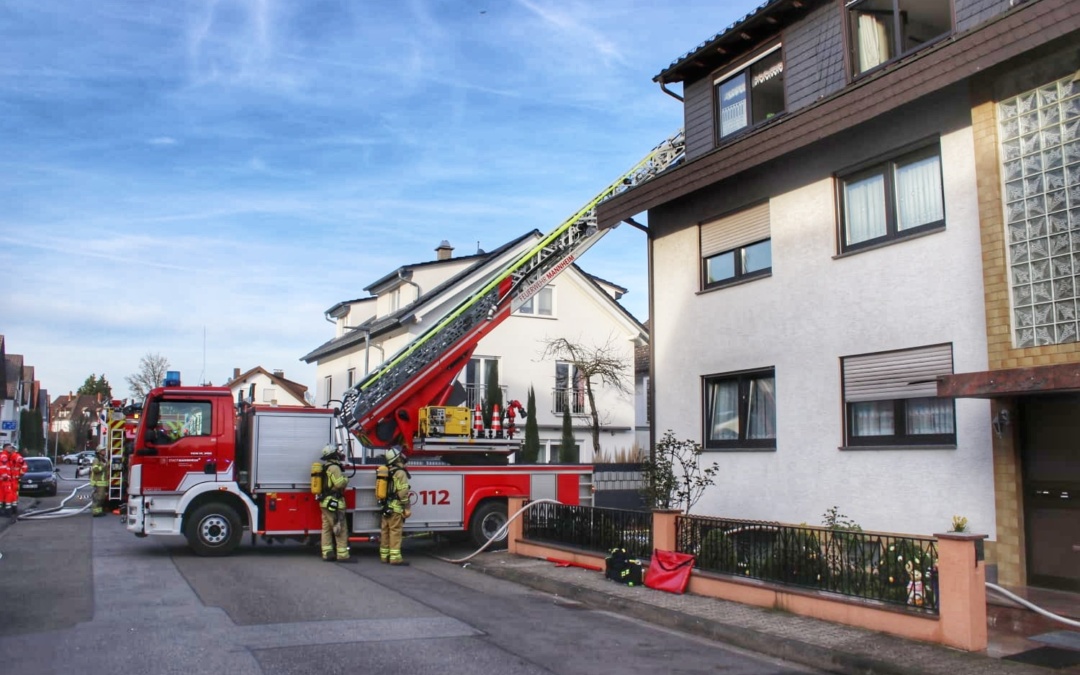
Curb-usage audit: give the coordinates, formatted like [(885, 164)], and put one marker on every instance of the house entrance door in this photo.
[(1050, 438)]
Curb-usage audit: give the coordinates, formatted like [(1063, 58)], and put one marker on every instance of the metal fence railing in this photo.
[(887, 568), (595, 529)]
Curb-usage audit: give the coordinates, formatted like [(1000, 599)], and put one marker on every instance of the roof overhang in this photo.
[(1056, 379)]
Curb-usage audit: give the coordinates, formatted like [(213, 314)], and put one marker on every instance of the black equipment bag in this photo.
[(620, 567)]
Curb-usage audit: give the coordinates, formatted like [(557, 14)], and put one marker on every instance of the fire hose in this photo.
[(1033, 607), (500, 533)]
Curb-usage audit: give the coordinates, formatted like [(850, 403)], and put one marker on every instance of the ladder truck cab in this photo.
[(208, 468)]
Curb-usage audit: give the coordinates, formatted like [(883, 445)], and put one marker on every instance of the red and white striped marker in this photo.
[(496, 421), (478, 423)]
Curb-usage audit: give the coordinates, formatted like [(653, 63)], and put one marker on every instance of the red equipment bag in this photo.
[(669, 571)]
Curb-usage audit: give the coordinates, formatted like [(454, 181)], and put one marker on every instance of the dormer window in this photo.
[(752, 94), (882, 30)]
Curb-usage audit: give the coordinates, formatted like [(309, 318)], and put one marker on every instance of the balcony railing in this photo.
[(475, 394), (565, 396)]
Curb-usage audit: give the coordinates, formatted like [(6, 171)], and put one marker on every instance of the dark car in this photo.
[(40, 477)]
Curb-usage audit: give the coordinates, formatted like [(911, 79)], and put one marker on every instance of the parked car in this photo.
[(80, 458), (40, 477)]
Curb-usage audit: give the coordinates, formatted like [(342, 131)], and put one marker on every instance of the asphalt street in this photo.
[(82, 595)]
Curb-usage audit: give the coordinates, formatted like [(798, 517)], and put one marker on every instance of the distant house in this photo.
[(270, 388), (577, 306), (19, 391), (864, 277)]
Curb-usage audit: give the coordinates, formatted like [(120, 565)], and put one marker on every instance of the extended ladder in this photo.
[(382, 390)]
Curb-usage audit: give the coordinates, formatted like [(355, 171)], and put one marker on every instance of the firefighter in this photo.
[(99, 480), (396, 510), (335, 535)]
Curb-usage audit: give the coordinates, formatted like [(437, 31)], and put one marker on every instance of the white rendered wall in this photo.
[(813, 310)]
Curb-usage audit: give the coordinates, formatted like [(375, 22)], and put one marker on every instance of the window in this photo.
[(882, 30), (890, 398), (174, 420), (541, 304), (350, 378), (269, 394), (892, 200), (569, 389), (395, 299), (740, 410), (752, 95), (328, 381), (478, 372), (736, 247)]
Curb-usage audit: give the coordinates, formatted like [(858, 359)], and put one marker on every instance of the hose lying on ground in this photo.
[(50, 513), (500, 533), (1033, 607)]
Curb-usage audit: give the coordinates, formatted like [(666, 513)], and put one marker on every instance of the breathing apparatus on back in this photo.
[(394, 461)]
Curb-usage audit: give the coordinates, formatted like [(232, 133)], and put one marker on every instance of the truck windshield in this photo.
[(173, 420)]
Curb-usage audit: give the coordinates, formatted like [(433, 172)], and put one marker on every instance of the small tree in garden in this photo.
[(568, 444), (674, 477), (530, 449)]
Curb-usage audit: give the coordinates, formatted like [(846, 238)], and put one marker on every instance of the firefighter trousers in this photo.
[(390, 537), (335, 537)]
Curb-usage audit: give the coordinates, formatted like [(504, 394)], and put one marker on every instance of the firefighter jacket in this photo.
[(398, 502), (334, 485), (98, 477)]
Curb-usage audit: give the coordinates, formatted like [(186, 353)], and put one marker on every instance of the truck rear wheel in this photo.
[(213, 530), (486, 521)]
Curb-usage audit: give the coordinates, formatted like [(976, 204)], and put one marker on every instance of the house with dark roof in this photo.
[(404, 302), (864, 276)]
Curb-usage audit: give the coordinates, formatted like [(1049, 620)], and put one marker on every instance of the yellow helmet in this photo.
[(394, 455)]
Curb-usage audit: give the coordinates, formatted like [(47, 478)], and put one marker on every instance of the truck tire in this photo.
[(486, 521), (213, 530)]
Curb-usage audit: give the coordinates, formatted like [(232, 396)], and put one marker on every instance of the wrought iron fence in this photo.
[(595, 529), (884, 567)]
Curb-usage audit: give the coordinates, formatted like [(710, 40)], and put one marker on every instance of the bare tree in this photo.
[(152, 369), (603, 363)]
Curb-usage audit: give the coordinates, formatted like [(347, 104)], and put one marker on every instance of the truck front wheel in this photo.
[(213, 530), (488, 518)]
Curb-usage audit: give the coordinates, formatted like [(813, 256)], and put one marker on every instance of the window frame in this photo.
[(886, 167), (739, 276), (852, 37), (533, 304), (901, 439), (742, 443), (743, 70)]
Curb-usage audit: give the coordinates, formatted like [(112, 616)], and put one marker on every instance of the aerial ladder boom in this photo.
[(383, 408)]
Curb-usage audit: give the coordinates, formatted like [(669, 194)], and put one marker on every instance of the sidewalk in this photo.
[(826, 646)]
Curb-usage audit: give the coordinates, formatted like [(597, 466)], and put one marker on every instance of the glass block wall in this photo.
[(1040, 151)]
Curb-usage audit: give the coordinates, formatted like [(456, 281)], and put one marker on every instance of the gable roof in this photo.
[(295, 388), (13, 368), (381, 325)]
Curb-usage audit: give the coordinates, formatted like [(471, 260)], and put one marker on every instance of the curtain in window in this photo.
[(723, 411), (929, 416), (872, 418), (761, 416), (918, 193), (873, 40), (864, 209)]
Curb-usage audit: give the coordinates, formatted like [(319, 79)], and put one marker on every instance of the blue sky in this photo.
[(203, 179)]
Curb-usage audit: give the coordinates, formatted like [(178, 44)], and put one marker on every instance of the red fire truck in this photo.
[(207, 467)]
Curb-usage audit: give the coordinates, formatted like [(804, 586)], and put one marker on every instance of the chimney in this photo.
[(235, 373), (444, 250), (279, 373)]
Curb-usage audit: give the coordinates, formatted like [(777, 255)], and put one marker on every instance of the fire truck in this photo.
[(209, 468)]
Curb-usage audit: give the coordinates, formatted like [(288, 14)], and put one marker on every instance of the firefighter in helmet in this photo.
[(396, 508), (99, 480), (335, 532)]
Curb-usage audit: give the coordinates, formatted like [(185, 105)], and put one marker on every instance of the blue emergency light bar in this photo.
[(172, 379)]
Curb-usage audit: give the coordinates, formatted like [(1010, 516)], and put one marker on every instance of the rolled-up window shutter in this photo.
[(910, 373), (735, 230)]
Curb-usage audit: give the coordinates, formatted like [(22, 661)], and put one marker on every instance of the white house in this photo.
[(576, 306), (270, 388)]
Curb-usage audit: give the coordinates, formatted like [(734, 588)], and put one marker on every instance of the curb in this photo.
[(785, 648)]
